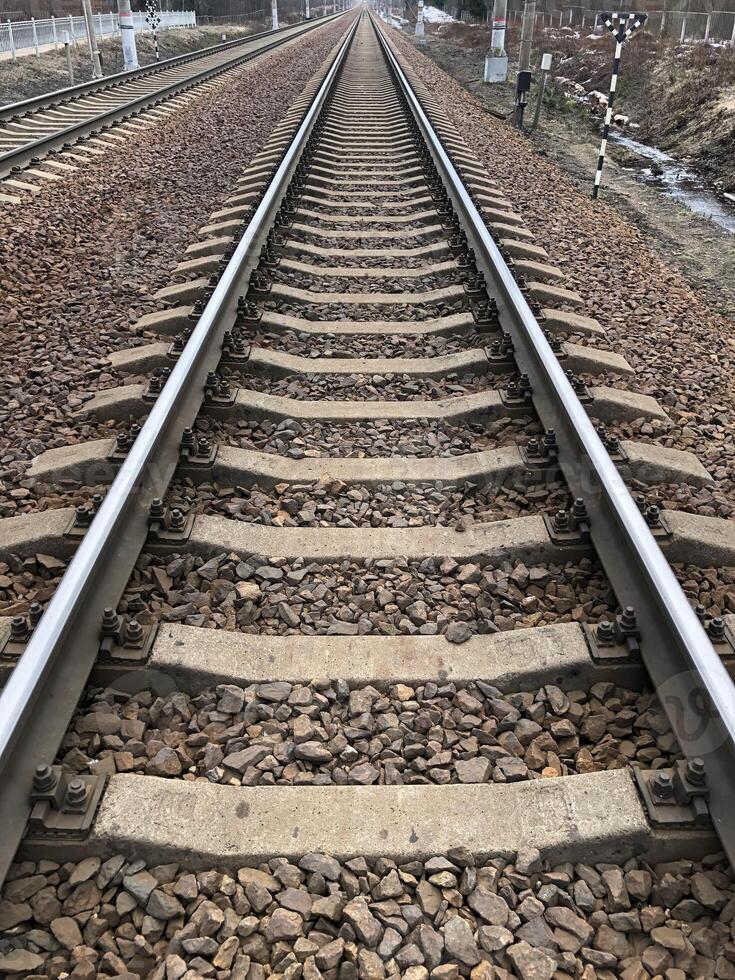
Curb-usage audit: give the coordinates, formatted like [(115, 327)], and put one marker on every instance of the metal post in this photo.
[(274, 15), (35, 37), (420, 19), (127, 35), (92, 37), (496, 59), (621, 26), (523, 79), (545, 69), (153, 19), (69, 64), (11, 40), (53, 28)]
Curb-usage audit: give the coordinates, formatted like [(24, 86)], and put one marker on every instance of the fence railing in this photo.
[(717, 26), (20, 35)]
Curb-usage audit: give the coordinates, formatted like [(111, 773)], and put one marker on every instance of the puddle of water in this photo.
[(679, 183)]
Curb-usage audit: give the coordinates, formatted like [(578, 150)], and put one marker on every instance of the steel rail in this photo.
[(63, 96), (694, 688), (43, 690), (28, 153)]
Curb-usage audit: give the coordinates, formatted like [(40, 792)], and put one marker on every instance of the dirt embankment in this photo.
[(30, 76), (681, 96)]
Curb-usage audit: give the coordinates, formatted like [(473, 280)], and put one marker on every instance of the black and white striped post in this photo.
[(153, 19), (621, 26)]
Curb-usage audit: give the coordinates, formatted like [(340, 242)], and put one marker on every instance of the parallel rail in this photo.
[(43, 690), (115, 86)]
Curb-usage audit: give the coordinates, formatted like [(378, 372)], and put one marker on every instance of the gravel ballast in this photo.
[(419, 437), (372, 388), (387, 597), (444, 917), (336, 504), (324, 733)]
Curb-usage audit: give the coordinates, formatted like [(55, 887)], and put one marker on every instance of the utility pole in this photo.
[(127, 34), (523, 80), (274, 15), (420, 19), (496, 60), (92, 37)]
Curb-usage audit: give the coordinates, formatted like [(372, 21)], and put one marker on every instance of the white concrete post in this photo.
[(53, 28), (307, 15), (707, 27), (732, 39), (420, 19), (35, 37), (274, 15), (11, 40), (67, 51), (127, 35), (683, 30), (72, 34), (496, 59)]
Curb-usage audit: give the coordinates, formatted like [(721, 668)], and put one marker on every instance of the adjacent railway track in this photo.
[(367, 581), (32, 130)]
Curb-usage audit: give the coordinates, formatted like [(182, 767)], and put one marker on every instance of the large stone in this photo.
[(20, 961), (297, 900), (367, 927), (66, 932), (284, 925), (161, 905), (490, 906), (459, 941), (321, 864), (11, 913), (245, 758), (530, 963), (254, 876), (475, 770), (140, 885)]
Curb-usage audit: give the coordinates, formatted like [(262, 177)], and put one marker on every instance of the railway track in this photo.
[(35, 133), (366, 581)]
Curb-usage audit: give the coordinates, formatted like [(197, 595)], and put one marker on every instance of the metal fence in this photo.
[(716, 26), (21, 35)]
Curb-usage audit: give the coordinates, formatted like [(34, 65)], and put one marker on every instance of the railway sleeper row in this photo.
[(424, 750)]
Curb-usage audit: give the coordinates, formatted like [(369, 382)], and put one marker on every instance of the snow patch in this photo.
[(434, 15)]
